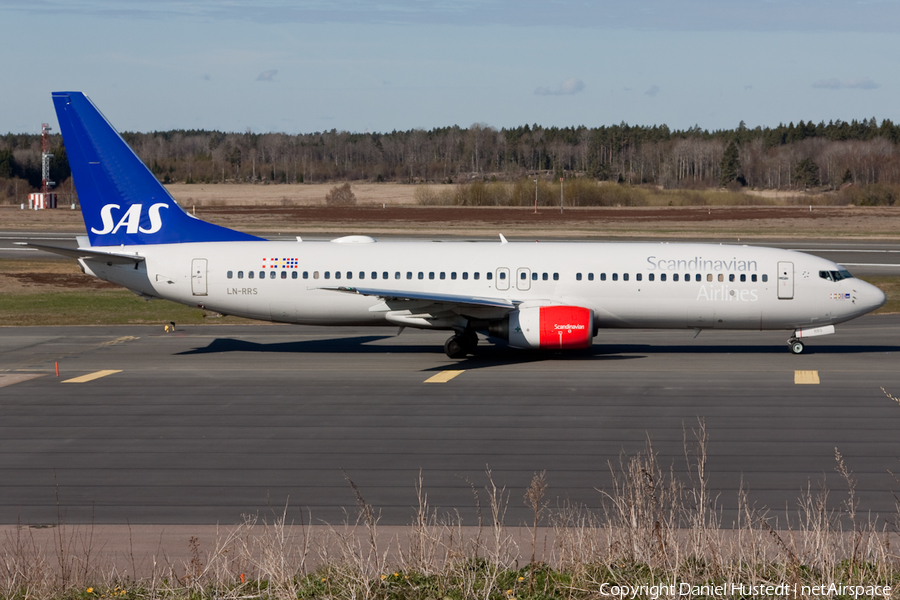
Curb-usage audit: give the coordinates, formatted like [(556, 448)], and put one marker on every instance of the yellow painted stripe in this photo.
[(443, 377), (806, 377), (91, 376)]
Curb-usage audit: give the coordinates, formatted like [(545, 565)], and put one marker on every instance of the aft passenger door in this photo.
[(785, 280), (198, 276)]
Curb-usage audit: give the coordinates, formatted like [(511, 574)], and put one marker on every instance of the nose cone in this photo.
[(869, 297)]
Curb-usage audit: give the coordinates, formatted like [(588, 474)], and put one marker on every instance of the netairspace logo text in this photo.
[(653, 592)]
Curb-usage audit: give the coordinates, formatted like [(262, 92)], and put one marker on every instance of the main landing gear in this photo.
[(461, 344), (795, 345)]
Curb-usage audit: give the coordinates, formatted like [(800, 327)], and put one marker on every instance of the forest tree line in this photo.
[(801, 156)]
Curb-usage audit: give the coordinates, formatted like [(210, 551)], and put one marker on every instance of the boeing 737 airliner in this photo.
[(533, 295)]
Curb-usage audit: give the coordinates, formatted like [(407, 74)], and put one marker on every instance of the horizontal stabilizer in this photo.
[(107, 257)]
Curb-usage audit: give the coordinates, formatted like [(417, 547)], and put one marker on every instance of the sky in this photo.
[(301, 66)]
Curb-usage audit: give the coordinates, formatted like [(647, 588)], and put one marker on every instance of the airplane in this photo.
[(531, 295)]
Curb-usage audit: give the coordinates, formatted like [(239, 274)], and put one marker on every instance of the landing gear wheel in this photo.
[(455, 347), (796, 346)]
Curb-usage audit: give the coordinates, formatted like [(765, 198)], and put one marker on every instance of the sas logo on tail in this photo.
[(131, 220)]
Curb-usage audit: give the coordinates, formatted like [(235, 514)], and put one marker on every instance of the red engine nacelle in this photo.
[(552, 327)]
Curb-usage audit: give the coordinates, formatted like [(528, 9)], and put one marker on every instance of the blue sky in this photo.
[(354, 65)]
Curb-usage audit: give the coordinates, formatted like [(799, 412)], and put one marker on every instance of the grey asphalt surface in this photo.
[(210, 422)]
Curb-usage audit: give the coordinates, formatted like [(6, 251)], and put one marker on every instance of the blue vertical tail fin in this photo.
[(122, 202)]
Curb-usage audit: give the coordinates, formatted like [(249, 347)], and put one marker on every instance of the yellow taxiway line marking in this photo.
[(91, 376), (443, 376), (806, 377)]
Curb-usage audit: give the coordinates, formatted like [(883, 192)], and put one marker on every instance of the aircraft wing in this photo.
[(387, 295), (107, 257)]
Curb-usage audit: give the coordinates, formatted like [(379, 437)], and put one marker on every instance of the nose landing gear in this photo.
[(460, 345)]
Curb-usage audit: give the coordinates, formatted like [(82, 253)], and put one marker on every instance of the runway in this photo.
[(207, 423)]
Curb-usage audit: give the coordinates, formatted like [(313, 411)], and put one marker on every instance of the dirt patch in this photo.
[(61, 280)]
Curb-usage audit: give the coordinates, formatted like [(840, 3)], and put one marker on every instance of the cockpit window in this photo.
[(835, 275)]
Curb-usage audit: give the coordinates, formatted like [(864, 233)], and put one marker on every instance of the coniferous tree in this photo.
[(730, 166), (806, 173)]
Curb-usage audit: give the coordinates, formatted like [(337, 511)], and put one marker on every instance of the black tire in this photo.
[(454, 347), (796, 347)]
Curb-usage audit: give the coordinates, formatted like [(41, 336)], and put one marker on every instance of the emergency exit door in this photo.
[(198, 276), (785, 280)]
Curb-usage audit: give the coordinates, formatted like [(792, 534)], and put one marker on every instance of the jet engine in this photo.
[(547, 328)]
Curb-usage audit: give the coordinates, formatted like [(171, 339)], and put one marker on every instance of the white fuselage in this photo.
[(652, 285)]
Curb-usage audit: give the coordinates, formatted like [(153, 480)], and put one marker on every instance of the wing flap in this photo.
[(388, 295)]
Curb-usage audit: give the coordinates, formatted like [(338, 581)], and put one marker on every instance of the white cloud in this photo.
[(566, 88), (863, 83), (652, 91), (267, 75)]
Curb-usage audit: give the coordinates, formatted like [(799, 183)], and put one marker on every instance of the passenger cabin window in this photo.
[(639, 276), (409, 274), (305, 274), (674, 276), (753, 278), (708, 277), (731, 277), (590, 276), (765, 278), (293, 274), (327, 274), (240, 274), (545, 277), (397, 275), (271, 274), (262, 274), (699, 277), (443, 275), (502, 275), (349, 274), (362, 274), (431, 275), (249, 274), (284, 274), (229, 274), (615, 276), (602, 276), (577, 276), (465, 275), (651, 276), (421, 275), (687, 277), (743, 277), (337, 275), (523, 276), (624, 276), (488, 275), (384, 275), (662, 276), (534, 276), (556, 277), (476, 275), (453, 275)]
